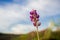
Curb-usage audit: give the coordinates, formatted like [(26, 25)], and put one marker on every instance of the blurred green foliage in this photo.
[(31, 36)]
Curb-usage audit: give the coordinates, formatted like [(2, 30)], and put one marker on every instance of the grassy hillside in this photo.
[(31, 36)]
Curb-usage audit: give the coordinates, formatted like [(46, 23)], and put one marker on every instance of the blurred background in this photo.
[(15, 23)]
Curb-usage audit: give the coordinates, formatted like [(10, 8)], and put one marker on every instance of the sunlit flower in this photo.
[(34, 18)]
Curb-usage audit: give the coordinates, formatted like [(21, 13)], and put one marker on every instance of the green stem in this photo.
[(37, 34)]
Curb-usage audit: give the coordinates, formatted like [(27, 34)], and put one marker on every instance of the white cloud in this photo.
[(36, 4), (10, 14), (45, 7)]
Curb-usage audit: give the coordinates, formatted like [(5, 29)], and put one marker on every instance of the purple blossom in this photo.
[(34, 17), (31, 17)]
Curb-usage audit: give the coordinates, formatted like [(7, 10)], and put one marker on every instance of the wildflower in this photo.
[(35, 19)]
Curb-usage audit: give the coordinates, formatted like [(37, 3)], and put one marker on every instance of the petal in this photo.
[(34, 24), (31, 13), (37, 16), (35, 12), (31, 17)]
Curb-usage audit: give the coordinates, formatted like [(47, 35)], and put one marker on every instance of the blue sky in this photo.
[(14, 14)]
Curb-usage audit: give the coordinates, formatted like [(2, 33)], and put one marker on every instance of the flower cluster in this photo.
[(34, 18)]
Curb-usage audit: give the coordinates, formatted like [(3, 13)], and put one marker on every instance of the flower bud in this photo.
[(31, 17), (39, 24), (31, 13)]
